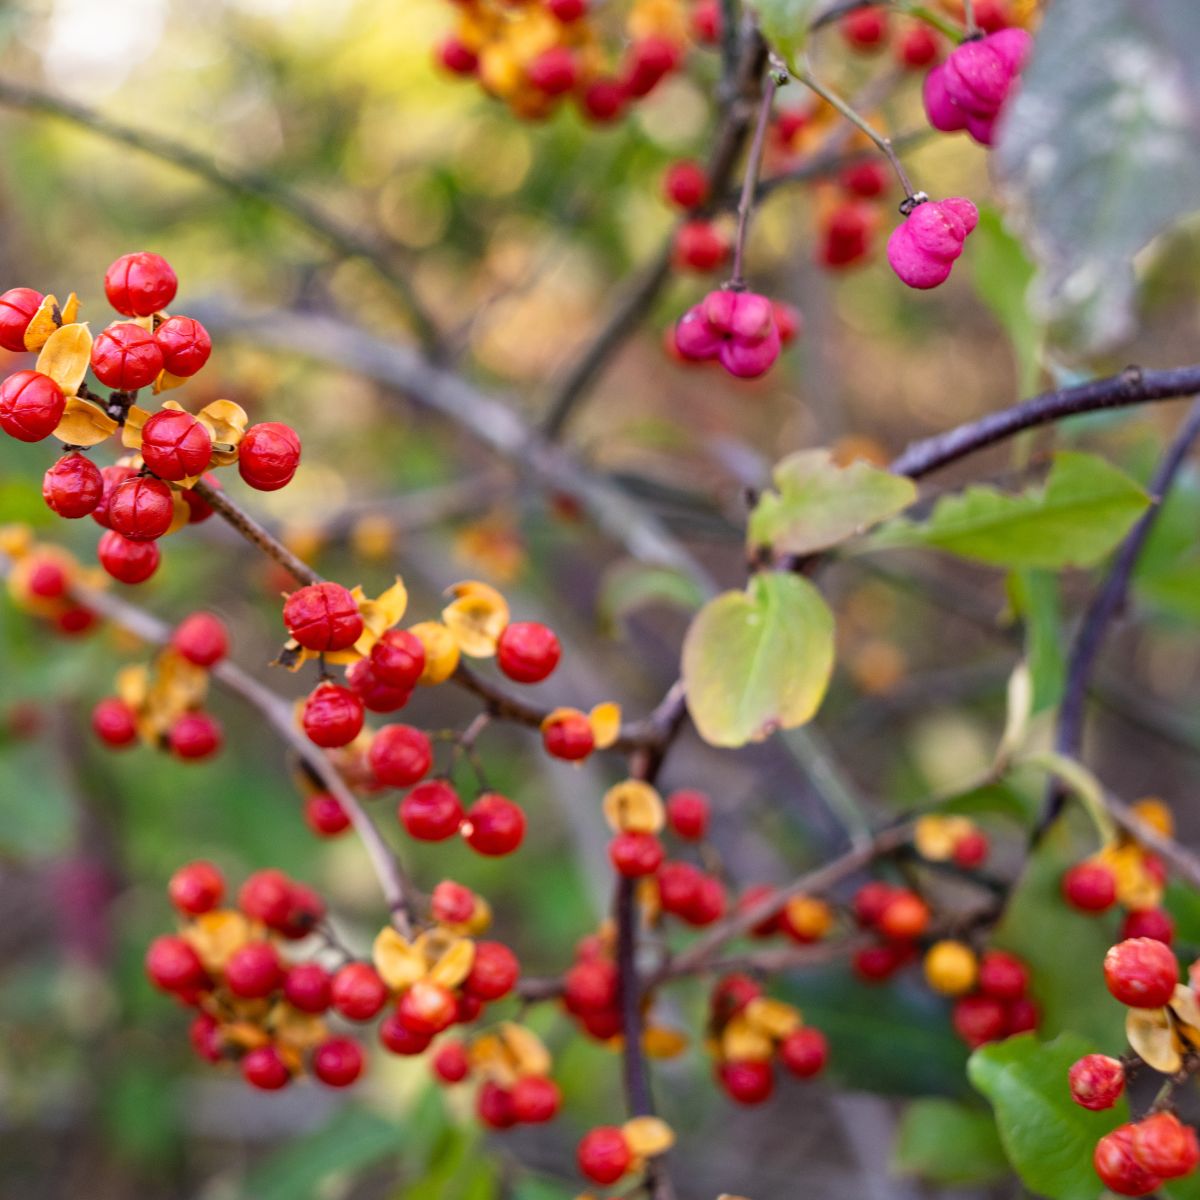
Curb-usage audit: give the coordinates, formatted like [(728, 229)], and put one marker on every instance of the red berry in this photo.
[(678, 885), (590, 987), (700, 246), (493, 1106), (804, 1052), (263, 1068), (254, 970), (175, 445), (324, 814), (323, 616), (126, 561), (204, 1033), (398, 659), (141, 509), (31, 406), (602, 1025), (866, 179), (604, 1154), (73, 486), (535, 1099), (905, 917), (685, 184), (918, 47), (377, 697), (1153, 923), (1002, 975), (451, 1064), (185, 346), (874, 964), (708, 904), (111, 478), (268, 456), (47, 580), (731, 994), (399, 755), (357, 992), (174, 966), (568, 736), (494, 825), (706, 22), (1165, 1146), (457, 57), (1096, 1081), (566, 11), (431, 812), (493, 973), (647, 61), (635, 854), (201, 638), (846, 234), (196, 888), (1090, 887), (527, 652), (1141, 972), (688, 814), (603, 100), (747, 1081), (979, 1019), (126, 357), (75, 620), (554, 71), (266, 896), (870, 900), (427, 1007), (333, 716), (114, 722), (789, 322), (17, 307), (194, 736), (140, 284), (1119, 1171), (199, 509), (452, 903), (751, 898), (307, 987), (399, 1039), (1023, 1016), (971, 849), (338, 1061), (865, 29)]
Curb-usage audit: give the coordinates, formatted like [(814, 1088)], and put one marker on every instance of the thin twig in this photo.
[(750, 181)]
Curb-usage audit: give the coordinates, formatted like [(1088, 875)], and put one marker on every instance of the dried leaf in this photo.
[(441, 651), (1151, 1036), (455, 964), (84, 424), (525, 1049), (476, 617), (66, 356), (659, 1042), (634, 807), (771, 1017), (648, 1136), (42, 324), (399, 964), (605, 720), (216, 935), (741, 1041)]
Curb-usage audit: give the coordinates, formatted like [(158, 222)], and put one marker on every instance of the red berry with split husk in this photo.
[(73, 486)]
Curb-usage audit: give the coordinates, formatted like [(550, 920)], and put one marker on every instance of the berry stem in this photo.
[(753, 166), (969, 21), (934, 19), (805, 76)]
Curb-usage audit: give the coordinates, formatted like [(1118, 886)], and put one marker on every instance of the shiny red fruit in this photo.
[(114, 722), (126, 561), (604, 1155), (126, 357), (747, 1081), (452, 903), (865, 29), (399, 755), (1141, 972), (333, 716), (1096, 1081), (141, 509), (688, 814), (431, 812), (1153, 923), (140, 284), (323, 616), (450, 1064), (196, 888), (494, 825), (494, 972), (527, 652), (427, 1008), (111, 477), (535, 1099), (254, 970), (396, 1037), (202, 639), (17, 307), (266, 896), (1003, 975), (268, 456), (685, 184), (175, 445), (635, 854), (338, 1061), (73, 486), (263, 1068), (1165, 1146), (397, 660), (324, 814), (1090, 887), (979, 1019), (590, 987), (568, 736), (185, 345), (804, 1052), (357, 992), (700, 246), (31, 406), (195, 736), (493, 1106), (377, 696), (174, 966), (1119, 1171), (307, 987)]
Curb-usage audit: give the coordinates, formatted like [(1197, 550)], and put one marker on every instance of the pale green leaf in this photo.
[(818, 504), (948, 1143), (1034, 598), (758, 660), (1047, 1137), (785, 23), (1085, 507), (631, 585)]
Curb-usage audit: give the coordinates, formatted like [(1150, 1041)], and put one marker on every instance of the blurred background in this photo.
[(520, 237)]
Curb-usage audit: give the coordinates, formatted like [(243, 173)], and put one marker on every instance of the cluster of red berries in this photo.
[(735, 328), (161, 703), (534, 54), (1164, 1031), (923, 247), (970, 89), (140, 498)]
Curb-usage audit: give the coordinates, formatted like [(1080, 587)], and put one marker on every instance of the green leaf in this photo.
[(1173, 590), (1085, 507), (1120, 75), (1048, 1138), (758, 660), (948, 1143), (785, 23), (818, 504), (1002, 274), (630, 585), (1034, 598), (1064, 948)]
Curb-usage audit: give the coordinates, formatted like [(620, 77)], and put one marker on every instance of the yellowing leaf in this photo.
[(476, 617), (455, 964), (633, 807), (42, 324), (399, 964), (1150, 1034), (648, 1136), (605, 720), (84, 424), (66, 356)]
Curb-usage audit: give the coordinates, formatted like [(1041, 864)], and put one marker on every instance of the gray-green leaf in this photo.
[(785, 23), (949, 1144), (818, 504)]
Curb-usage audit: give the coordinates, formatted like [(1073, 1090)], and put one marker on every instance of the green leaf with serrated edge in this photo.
[(758, 660), (948, 1143), (1083, 510), (818, 504), (1049, 1139), (1064, 948), (1034, 598), (629, 585), (785, 23), (1001, 275), (1120, 75)]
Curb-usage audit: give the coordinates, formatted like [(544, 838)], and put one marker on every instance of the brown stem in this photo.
[(750, 181)]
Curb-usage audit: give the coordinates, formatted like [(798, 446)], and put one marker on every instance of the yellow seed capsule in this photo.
[(951, 968), (1156, 814), (441, 651)]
